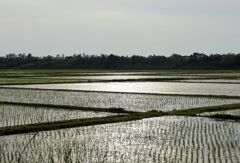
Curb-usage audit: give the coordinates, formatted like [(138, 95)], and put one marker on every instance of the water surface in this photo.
[(162, 139), (11, 115), (128, 101), (147, 87)]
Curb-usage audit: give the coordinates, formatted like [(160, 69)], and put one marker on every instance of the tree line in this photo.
[(111, 61)]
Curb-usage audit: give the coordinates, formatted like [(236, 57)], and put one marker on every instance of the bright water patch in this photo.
[(163, 139), (128, 101), (147, 87)]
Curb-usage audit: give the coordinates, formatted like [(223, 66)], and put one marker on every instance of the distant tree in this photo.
[(104, 61), (29, 56), (11, 56), (228, 61)]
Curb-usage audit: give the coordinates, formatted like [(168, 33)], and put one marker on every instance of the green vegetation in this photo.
[(182, 130), (25, 81), (224, 116), (106, 72), (162, 139), (17, 76), (76, 123), (195, 111), (190, 106), (129, 116), (82, 61)]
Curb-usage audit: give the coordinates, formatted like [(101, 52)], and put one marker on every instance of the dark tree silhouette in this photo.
[(103, 61)]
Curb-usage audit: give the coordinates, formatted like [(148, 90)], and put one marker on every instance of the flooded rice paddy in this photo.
[(147, 87), (163, 139), (186, 138), (11, 115), (128, 101)]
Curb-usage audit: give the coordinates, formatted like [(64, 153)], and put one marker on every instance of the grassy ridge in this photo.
[(76, 123), (26, 81), (224, 116), (29, 76), (15, 81), (77, 72), (195, 111), (131, 116)]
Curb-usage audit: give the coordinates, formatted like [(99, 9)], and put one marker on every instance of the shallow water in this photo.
[(163, 139), (11, 115), (128, 101), (147, 87)]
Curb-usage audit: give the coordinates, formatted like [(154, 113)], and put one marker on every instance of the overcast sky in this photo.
[(123, 27)]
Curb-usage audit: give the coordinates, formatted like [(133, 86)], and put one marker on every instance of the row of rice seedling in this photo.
[(11, 115), (128, 101), (227, 112), (162, 139)]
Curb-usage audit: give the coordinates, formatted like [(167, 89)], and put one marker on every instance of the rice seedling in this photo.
[(128, 101), (162, 139), (89, 126), (11, 115)]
